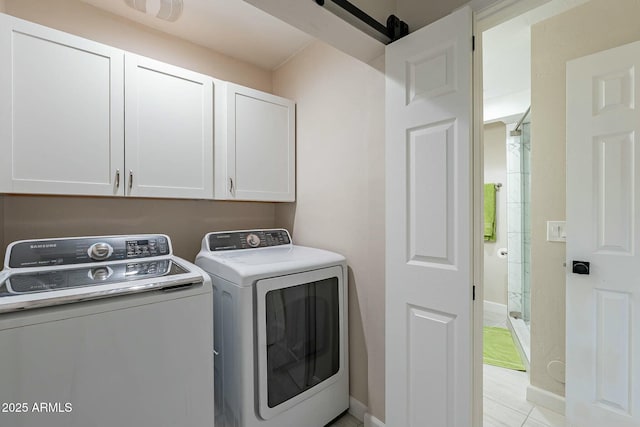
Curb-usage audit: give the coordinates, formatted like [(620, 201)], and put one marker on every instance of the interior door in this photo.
[(603, 226), (429, 347)]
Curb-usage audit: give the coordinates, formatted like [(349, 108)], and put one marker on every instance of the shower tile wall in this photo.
[(518, 219), (526, 221), (514, 234)]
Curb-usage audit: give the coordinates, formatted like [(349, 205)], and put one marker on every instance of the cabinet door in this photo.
[(261, 145), (169, 130), (61, 112)]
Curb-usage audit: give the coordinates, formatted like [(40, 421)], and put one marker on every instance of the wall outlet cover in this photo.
[(556, 231)]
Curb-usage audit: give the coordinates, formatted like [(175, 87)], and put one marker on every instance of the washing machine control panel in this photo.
[(43, 253), (248, 239)]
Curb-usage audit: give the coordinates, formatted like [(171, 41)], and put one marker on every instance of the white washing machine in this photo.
[(104, 331), (280, 339)]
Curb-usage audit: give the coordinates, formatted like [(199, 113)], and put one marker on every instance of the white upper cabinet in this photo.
[(256, 160), (81, 118), (169, 130), (61, 104)]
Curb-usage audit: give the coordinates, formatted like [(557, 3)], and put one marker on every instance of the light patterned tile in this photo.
[(498, 415), (514, 272), (547, 417), (494, 319), (347, 421), (533, 423), (514, 246), (508, 387), (514, 188), (514, 221), (515, 302)]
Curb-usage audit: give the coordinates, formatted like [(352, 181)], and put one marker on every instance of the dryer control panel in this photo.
[(248, 239), (82, 250)]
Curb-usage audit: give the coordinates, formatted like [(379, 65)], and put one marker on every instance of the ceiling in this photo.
[(232, 27), (506, 58)]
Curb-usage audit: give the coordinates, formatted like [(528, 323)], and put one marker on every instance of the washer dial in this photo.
[(253, 240), (100, 251)]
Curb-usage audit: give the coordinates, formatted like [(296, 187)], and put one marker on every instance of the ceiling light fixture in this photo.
[(140, 5), (168, 10)]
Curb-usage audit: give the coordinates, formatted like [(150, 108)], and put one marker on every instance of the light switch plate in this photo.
[(556, 231)]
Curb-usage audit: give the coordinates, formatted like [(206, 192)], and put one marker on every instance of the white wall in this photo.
[(420, 13), (340, 191), (495, 171), (590, 28)]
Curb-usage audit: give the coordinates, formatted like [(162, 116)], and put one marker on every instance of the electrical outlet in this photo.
[(556, 231)]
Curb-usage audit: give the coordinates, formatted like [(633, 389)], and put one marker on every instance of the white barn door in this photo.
[(603, 228), (429, 333)]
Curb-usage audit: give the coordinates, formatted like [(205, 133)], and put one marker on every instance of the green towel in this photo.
[(489, 212)]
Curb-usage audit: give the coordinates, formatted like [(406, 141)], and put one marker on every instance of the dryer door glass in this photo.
[(303, 338)]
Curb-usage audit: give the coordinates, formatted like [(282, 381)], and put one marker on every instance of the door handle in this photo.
[(580, 267), (117, 178), (130, 179), (230, 185)]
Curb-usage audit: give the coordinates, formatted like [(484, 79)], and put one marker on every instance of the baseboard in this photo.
[(546, 399), (371, 421), (357, 409), (494, 307)]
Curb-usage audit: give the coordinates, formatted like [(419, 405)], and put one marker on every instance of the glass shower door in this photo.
[(519, 233)]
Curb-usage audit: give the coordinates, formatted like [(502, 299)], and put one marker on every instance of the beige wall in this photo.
[(2, 5), (340, 196), (495, 170), (81, 19), (185, 221), (592, 27), (2, 241)]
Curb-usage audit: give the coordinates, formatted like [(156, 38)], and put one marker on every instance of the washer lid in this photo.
[(243, 267), (36, 288)]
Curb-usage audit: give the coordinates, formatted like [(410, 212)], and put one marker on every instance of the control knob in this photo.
[(100, 251), (253, 240)]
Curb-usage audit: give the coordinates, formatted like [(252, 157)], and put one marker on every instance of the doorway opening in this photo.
[(508, 279)]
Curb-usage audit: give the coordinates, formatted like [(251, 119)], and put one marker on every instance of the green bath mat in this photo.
[(500, 350)]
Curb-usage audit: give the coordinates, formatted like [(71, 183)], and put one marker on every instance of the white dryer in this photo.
[(280, 338)]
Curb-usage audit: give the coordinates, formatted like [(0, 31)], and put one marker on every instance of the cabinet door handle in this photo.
[(117, 178), (230, 185), (130, 179)]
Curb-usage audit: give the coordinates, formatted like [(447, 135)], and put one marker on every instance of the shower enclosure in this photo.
[(519, 230)]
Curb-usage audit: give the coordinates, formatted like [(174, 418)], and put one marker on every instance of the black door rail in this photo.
[(394, 30)]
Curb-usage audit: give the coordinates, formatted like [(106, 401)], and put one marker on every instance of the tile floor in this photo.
[(505, 391), (346, 421), (506, 405), (505, 401)]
